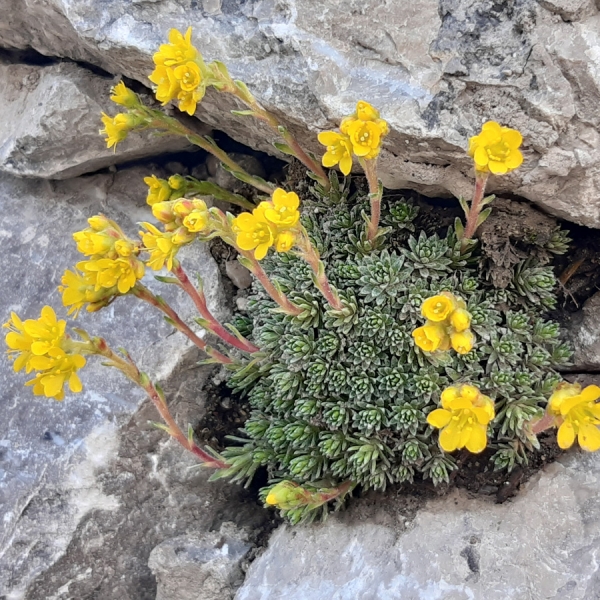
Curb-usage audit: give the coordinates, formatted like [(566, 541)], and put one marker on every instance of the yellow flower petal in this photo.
[(481, 157), (497, 167), (477, 440), (512, 137), (590, 393), (589, 438), (450, 438), (566, 435), (439, 418)]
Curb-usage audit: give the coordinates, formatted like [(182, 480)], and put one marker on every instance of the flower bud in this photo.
[(163, 211), (460, 319), (463, 342), (182, 236), (99, 222), (196, 221), (183, 208), (177, 182)]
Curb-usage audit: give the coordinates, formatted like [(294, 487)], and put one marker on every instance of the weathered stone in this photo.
[(541, 544), (51, 120), (204, 566), (88, 487), (437, 69), (585, 333), (239, 275)]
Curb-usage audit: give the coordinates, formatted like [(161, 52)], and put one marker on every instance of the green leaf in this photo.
[(464, 205), (244, 90), (164, 279), (459, 228), (483, 215), (160, 426), (243, 113), (283, 148), (488, 200)]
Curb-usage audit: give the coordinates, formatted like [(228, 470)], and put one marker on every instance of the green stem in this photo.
[(475, 209), (212, 324), (162, 121), (143, 293), (131, 371)]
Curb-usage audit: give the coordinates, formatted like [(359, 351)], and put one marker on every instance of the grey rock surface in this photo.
[(203, 567), (87, 487), (436, 68), (585, 334), (541, 544), (50, 119)]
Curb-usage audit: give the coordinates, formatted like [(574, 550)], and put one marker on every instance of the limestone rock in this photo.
[(585, 333), (437, 69), (205, 566), (88, 488), (542, 544), (50, 119)]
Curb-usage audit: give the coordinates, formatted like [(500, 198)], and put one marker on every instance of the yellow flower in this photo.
[(460, 319), (116, 128), (121, 272), (57, 369), (254, 232), (580, 415), (19, 343), (179, 50), (463, 341), (160, 245), (431, 337), (122, 95), (188, 100), (158, 190), (339, 150), (463, 419), (197, 220), (365, 137), (177, 182), (285, 241), (92, 242), (167, 85), (438, 308), (283, 211), (79, 288), (188, 76), (42, 345), (496, 149)]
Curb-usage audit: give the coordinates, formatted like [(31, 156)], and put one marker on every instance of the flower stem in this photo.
[(211, 323), (272, 121), (375, 193), (475, 209), (546, 422), (131, 371), (143, 293), (162, 121), (310, 254), (279, 297)]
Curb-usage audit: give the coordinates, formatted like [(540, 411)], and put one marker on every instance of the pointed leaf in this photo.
[(164, 279), (483, 215), (243, 113), (488, 200), (464, 205), (459, 228), (283, 148)]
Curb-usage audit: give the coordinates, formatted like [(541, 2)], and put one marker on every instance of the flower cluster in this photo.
[(183, 220), (274, 223), (116, 128), (463, 418), (361, 135), (160, 190), (112, 269), (577, 413), (447, 326), (496, 149), (180, 72), (42, 346)]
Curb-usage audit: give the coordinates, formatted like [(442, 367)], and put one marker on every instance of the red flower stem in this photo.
[(212, 325), (475, 208), (311, 256), (375, 192), (131, 371), (279, 297), (146, 295), (272, 121), (546, 422)]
